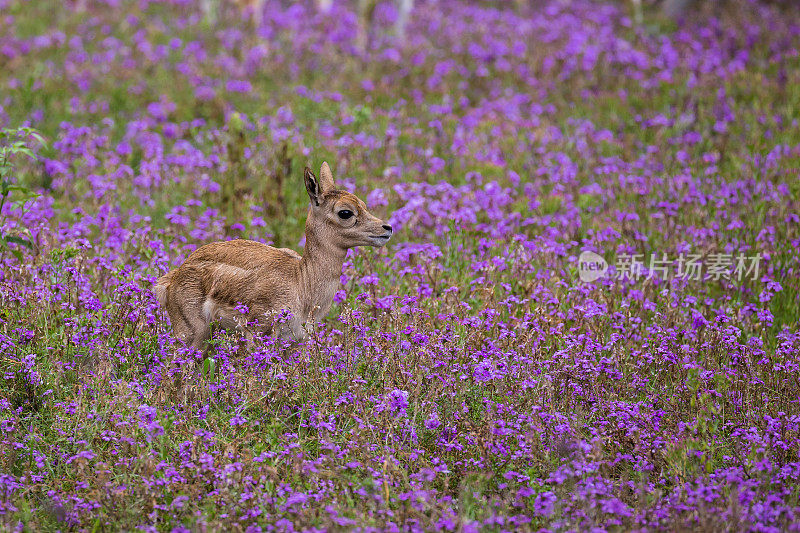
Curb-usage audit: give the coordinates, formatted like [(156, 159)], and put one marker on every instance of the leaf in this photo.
[(17, 188), (18, 240), (35, 134), (25, 151), (209, 367)]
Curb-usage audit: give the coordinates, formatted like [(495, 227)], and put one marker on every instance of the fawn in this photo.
[(217, 277)]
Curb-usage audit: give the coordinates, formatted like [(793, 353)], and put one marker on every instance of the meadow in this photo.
[(467, 378)]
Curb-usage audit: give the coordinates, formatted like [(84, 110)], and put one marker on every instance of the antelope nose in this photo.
[(387, 227)]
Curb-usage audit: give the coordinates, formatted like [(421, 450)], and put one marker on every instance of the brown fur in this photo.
[(215, 278)]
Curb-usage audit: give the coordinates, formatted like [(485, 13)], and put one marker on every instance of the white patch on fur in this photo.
[(161, 288), (226, 317), (209, 307), (226, 272)]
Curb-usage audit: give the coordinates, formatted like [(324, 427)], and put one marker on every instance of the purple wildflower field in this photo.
[(470, 376)]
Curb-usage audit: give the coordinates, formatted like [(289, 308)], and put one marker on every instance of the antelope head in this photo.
[(338, 218)]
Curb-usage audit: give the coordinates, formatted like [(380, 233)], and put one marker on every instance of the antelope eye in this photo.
[(344, 214)]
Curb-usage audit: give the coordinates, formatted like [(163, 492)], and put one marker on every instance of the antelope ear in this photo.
[(326, 177), (312, 187)]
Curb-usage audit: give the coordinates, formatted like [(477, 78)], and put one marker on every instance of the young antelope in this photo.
[(217, 277)]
